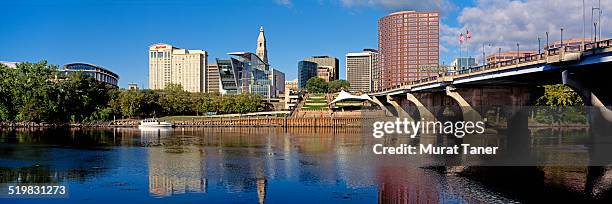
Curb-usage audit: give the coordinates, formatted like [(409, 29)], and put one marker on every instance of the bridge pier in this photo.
[(424, 113), (596, 96), (517, 136), (382, 106), (469, 113), (395, 102)]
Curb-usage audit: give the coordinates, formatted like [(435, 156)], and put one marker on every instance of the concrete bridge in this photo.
[(515, 85), (586, 69)]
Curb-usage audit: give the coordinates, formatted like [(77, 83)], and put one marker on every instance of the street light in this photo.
[(489, 49), (498, 55), (595, 40), (483, 55), (518, 52), (546, 47), (539, 47), (561, 37)]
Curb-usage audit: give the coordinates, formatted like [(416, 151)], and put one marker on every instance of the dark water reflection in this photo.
[(258, 165)]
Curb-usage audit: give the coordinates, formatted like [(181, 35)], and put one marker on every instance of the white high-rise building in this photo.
[(360, 67), (168, 64)]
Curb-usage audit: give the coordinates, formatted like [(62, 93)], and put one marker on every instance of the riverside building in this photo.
[(10, 64), (408, 42), (172, 65), (250, 72), (505, 56), (327, 67), (212, 78), (97, 72), (359, 69), (306, 70)]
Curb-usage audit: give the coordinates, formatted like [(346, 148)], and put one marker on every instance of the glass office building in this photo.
[(246, 74), (306, 70)]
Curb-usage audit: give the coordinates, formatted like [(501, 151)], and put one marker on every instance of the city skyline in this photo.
[(115, 34)]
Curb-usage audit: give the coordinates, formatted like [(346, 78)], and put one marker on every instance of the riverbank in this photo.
[(255, 122), (267, 121)]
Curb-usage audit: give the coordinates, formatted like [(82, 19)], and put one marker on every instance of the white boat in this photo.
[(153, 122)]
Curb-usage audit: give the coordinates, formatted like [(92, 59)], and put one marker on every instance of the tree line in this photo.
[(38, 92), (318, 85), (173, 100)]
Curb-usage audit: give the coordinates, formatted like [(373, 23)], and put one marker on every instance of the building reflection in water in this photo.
[(261, 190), (173, 168), (257, 161)]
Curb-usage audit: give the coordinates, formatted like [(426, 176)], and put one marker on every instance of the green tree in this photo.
[(174, 100), (129, 102), (559, 95), (562, 105), (149, 104), (316, 85), (36, 92), (338, 85), (35, 96), (8, 109), (82, 98), (247, 103), (209, 102), (227, 104)]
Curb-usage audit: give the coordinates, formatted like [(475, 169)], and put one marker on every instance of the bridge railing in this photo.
[(598, 44), (516, 61)]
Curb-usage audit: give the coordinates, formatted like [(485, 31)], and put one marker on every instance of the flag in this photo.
[(461, 38), (468, 35)]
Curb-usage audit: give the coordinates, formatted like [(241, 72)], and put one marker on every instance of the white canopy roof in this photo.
[(343, 95)]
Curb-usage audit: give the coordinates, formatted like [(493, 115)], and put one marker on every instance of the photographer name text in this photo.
[(434, 150)]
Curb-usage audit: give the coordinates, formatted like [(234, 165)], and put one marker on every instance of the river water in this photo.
[(273, 165)]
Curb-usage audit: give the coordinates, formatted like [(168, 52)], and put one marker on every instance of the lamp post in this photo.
[(561, 37), (518, 52), (498, 55), (583, 26), (539, 47), (486, 62), (483, 55), (595, 40), (546, 47)]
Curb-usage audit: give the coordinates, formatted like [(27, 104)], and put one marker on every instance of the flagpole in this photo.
[(467, 45), (467, 50), (460, 47)]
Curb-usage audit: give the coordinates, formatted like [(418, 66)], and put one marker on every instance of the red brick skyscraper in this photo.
[(408, 42)]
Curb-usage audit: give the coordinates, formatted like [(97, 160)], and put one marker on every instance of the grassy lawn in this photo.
[(315, 108)]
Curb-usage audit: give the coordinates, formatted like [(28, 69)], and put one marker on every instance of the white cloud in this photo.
[(286, 3), (394, 5), (504, 23)]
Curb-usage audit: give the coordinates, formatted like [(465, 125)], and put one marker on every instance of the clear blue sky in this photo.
[(116, 33)]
